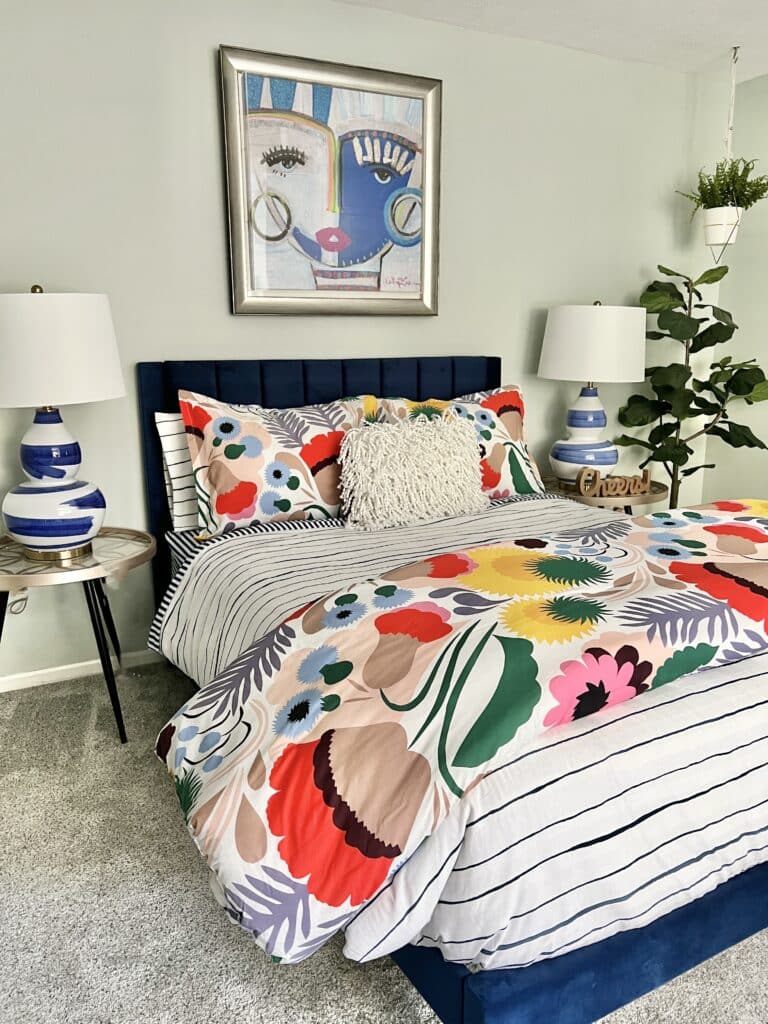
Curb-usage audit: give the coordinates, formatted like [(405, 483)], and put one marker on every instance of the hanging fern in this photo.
[(730, 185)]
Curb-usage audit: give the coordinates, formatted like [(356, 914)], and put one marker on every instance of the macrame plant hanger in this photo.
[(729, 152)]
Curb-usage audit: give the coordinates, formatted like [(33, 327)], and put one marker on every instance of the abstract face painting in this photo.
[(333, 188)]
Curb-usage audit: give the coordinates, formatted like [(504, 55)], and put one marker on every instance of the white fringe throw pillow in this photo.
[(393, 474)]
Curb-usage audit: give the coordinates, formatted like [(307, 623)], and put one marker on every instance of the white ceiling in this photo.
[(685, 35)]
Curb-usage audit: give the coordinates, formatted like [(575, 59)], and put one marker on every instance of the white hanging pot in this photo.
[(721, 225)]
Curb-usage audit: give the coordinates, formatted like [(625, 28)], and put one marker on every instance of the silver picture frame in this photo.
[(418, 295)]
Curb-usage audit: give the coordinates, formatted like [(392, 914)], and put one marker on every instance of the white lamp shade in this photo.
[(57, 349), (605, 344)]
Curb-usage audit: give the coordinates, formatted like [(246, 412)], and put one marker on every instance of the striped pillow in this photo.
[(177, 470)]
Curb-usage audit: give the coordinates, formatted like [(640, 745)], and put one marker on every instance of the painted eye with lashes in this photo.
[(382, 174), (284, 158)]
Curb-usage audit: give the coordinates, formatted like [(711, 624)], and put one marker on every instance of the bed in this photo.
[(574, 987)]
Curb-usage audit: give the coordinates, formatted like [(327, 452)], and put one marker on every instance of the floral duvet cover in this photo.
[(318, 762)]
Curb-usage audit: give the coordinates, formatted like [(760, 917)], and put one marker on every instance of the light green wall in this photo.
[(743, 472), (559, 170)]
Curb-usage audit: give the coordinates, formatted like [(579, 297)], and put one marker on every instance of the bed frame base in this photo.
[(585, 985)]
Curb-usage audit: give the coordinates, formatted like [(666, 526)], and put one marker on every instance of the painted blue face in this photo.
[(371, 170)]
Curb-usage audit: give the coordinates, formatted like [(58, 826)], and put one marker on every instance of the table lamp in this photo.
[(55, 349), (591, 343)]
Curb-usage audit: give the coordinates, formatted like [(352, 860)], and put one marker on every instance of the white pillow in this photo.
[(177, 470), (393, 474)]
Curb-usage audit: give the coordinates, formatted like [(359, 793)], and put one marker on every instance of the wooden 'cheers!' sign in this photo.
[(590, 484)]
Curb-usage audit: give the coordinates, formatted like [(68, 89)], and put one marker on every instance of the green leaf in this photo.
[(689, 659), (639, 411), (564, 569), (625, 441), (673, 376), (520, 481), (575, 609), (510, 706), (681, 403), (334, 673), (188, 788), (719, 314), (659, 302), (707, 407), (680, 326), (745, 380), (675, 452), (737, 435), (712, 276), (660, 433), (695, 469), (715, 334)]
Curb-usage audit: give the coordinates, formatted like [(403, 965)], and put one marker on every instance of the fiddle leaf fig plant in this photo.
[(680, 406)]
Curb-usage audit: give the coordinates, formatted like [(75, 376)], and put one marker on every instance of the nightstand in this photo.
[(658, 493), (115, 552)]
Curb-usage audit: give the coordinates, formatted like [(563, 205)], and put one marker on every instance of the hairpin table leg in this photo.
[(3, 608), (109, 622), (91, 596)]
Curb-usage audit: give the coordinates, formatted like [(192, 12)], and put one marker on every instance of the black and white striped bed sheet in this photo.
[(599, 827), (186, 545), (240, 586)]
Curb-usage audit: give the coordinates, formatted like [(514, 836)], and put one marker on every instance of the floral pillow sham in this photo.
[(508, 468), (257, 465)]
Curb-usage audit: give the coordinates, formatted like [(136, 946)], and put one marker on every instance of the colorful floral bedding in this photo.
[(315, 766)]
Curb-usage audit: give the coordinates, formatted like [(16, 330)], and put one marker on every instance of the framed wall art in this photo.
[(333, 177)]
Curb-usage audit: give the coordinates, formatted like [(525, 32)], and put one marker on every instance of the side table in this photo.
[(115, 552), (659, 492)]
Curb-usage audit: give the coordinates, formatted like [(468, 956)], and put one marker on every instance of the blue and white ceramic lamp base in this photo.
[(585, 446), (53, 514)]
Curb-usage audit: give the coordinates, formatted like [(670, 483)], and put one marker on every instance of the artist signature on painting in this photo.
[(400, 281)]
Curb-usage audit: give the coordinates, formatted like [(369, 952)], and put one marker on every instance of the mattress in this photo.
[(228, 592)]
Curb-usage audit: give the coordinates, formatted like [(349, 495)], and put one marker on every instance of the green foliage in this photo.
[(575, 609), (730, 185), (571, 571), (188, 788), (687, 659), (510, 706), (675, 396)]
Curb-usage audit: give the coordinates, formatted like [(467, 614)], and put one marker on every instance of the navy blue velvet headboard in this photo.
[(280, 383)]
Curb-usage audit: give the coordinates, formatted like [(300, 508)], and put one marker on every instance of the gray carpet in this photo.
[(106, 916)]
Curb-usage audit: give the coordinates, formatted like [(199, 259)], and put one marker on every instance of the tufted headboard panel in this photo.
[(278, 384)]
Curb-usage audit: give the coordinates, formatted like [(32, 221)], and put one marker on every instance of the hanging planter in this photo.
[(721, 225), (732, 189), (724, 196)]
